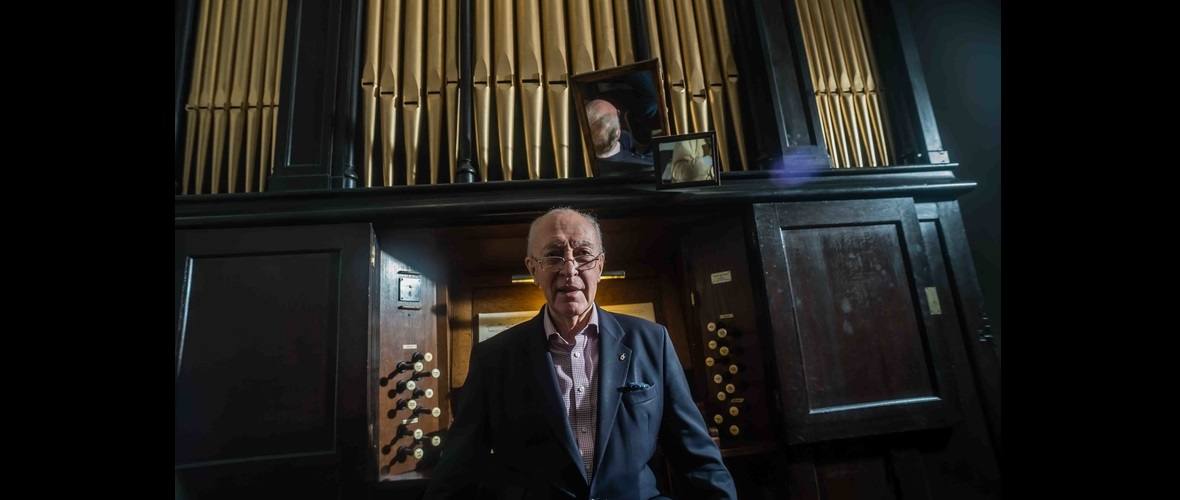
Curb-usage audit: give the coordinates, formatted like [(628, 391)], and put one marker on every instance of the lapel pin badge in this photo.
[(623, 357)]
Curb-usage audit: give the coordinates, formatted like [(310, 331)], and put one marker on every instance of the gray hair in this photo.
[(586, 215)]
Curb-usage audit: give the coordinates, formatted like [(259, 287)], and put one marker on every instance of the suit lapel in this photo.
[(613, 364), (542, 365)]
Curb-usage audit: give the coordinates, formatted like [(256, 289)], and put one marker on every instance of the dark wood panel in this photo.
[(311, 478), (853, 471), (833, 270), (271, 333), (951, 460), (919, 465), (909, 473), (257, 357), (965, 463), (858, 330), (983, 347), (802, 478)]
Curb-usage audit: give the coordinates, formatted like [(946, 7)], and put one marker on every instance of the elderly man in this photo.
[(572, 403)]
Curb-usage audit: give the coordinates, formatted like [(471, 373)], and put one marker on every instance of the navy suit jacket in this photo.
[(511, 438)]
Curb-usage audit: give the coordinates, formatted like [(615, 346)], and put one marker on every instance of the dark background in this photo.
[(959, 45)]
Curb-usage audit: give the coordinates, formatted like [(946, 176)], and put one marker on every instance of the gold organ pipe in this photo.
[(581, 52), (653, 30), (653, 41), (412, 100), (530, 79), (604, 34), (505, 75), (693, 70), (435, 33), (673, 67), (841, 153), (558, 95), (193, 106), (556, 71), (389, 83), (843, 74), (269, 84), (816, 72), (715, 87), (839, 75), (871, 128), (867, 150), (729, 71), (481, 80), (581, 37), (225, 62), (237, 95), (874, 119), (626, 46), (711, 70), (845, 69), (205, 112), (254, 91), (831, 86), (369, 95), (820, 78), (274, 108), (451, 87)]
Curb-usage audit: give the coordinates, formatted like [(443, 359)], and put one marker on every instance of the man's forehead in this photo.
[(561, 243), (559, 229)]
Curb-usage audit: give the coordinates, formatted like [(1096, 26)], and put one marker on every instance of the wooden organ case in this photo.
[(828, 318)]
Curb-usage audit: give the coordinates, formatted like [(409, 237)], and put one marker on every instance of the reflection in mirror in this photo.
[(620, 112)]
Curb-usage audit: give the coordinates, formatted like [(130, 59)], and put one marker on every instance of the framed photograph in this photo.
[(620, 111), (686, 160)]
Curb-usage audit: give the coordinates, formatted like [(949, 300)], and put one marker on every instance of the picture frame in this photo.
[(686, 160), (628, 99)]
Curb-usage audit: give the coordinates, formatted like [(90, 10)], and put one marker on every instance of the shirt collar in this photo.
[(551, 329)]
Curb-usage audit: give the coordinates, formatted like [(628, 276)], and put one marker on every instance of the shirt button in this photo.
[(579, 389), (576, 355)]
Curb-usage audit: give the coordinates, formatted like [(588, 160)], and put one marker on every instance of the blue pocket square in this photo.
[(633, 386)]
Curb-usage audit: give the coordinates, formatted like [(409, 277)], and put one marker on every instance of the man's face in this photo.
[(568, 291)]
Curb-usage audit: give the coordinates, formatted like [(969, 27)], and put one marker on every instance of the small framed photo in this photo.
[(686, 160)]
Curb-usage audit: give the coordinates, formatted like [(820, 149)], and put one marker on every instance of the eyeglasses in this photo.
[(581, 262)]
